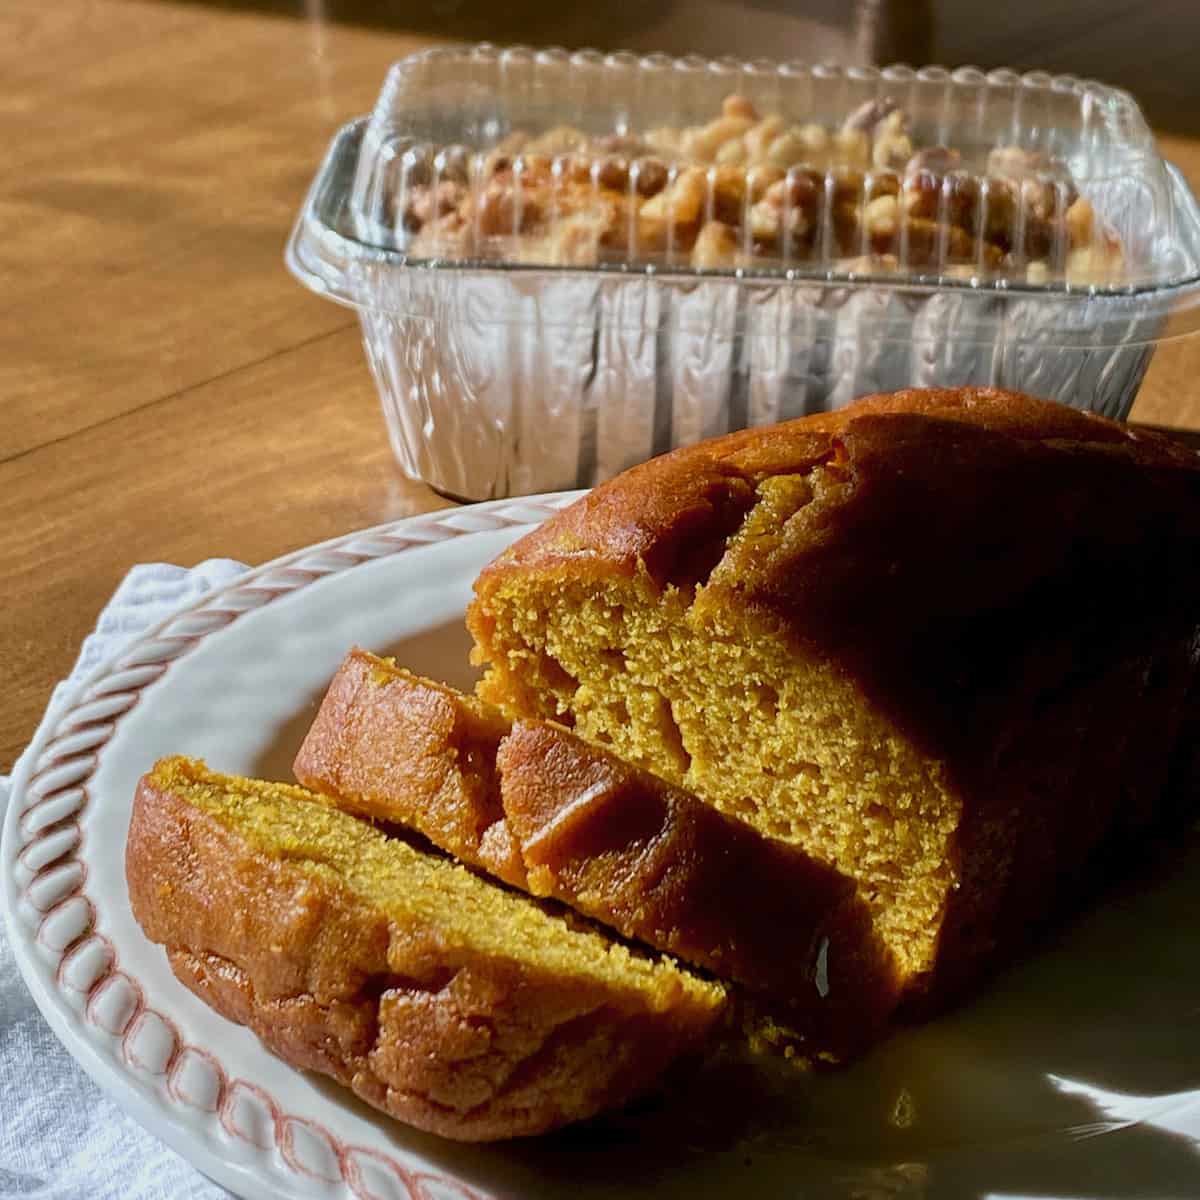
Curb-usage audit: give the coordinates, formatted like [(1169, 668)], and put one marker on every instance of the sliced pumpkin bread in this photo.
[(453, 1004), (546, 811)]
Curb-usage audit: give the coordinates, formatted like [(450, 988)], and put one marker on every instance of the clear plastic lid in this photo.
[(521, 158)]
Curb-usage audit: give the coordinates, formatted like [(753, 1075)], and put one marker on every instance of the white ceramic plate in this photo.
[(1076, 1075)]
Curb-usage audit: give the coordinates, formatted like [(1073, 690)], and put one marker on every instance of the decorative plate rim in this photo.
[(98, 1009)]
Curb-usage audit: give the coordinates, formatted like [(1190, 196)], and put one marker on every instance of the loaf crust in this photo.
[(660, 865), (1015, 584), (614, 842), (389, 745), (461, 1041)]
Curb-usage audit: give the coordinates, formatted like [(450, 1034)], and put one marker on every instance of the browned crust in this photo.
[(613, 841), (660, 865), (658, 514), (466, 1045), (1012, 582), (395, 747)]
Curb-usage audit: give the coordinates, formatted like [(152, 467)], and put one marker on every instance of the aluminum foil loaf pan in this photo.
[(566, 263)]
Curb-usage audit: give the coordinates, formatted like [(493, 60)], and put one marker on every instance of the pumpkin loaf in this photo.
[(545, 811), (448, 1002), (944, 641)]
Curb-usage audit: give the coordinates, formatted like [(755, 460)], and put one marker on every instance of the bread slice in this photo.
[(452, 1004), (942, 640), (548, 812)]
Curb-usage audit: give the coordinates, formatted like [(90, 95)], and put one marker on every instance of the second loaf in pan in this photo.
[(944, 640), (547, 812)]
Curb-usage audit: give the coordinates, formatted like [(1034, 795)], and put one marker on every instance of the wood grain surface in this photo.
[(167, 390)]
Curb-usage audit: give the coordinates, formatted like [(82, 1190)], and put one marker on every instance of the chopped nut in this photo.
[(732, 153), (703, 143), (847, 183), (446, 236), (684, 198), (846, 220), (800, 189), (611, 173), (651, 175), (925, 191), (769, 222), (760, 136), (815, 139), (893, 151), (931, 244), (739, 106), (500, 211), (893, 147), (1080, 223), (1015, 162), (625, 145), (727, 187), (884, 183), (716, 247), (575, 168), (454, 164), (760, 178), (1000, 212), (765, 221), (501, 156), (679, 205), (852, 147), (881, 217), (426, 203), (787, 150), (799, 144), (1042, 199), (573, 242), (530, 165), (1099, 262)]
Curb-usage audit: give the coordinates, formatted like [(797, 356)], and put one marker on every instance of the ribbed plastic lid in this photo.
[(521, 158)]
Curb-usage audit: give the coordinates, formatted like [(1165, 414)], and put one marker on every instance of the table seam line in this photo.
[(183, 391)]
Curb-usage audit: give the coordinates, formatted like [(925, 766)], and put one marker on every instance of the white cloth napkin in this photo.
[(61, 1138)]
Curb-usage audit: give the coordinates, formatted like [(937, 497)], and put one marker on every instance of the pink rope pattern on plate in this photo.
[(57, 906)]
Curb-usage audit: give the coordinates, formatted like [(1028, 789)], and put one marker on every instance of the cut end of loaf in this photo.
[(620, 845), (680, 679)]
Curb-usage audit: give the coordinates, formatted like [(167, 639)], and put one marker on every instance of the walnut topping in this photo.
[(751, 185), (716, 247), (881, 217), (893, 147), (426, 203), (1014, 162), (739, 106), (1080, 222)]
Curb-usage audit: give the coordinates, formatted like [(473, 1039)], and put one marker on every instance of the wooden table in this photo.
[(167, 391)]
